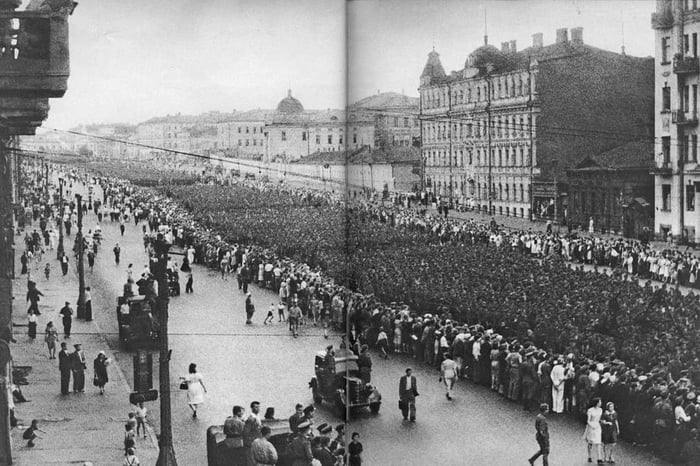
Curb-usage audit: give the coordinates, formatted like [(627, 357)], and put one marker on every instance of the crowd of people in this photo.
[(506, 305)]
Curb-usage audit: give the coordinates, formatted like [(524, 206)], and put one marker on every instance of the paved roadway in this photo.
[(244, 363)]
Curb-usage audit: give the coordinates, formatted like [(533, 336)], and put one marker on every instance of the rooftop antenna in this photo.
[(622, 26), (486, 29)]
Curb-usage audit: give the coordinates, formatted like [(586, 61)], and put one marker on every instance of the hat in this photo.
[(102, 353), (325, 429), (76, 345), (304, 425), (249, 294)]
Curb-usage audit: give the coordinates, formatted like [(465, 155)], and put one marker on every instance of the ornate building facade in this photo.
[(500, 133)]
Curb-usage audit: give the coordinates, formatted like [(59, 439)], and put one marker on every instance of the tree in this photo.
[(85, 151)]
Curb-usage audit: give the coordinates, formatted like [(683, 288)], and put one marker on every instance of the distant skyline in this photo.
[(131, 61)]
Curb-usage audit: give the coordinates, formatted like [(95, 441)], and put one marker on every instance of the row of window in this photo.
[(247, 130), (407, 122), (248, 142), (518, 156), (499, 192), (504, 86), (690, 47), (688, 149), (503, 126), (329, 138), (666, 197)]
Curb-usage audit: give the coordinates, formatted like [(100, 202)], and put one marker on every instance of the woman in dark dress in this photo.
[(355, 450), (100, 367), (611, 430)]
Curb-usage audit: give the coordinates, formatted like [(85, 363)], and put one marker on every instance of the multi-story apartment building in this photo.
[(501, 133), (395, 118), (677, 70)]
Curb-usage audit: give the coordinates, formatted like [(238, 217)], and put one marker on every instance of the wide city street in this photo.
[(242, 363)]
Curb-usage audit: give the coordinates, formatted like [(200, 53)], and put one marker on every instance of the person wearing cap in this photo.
[(300, 447), (542, 436), (67, 313), (78, 366), (64, 367)]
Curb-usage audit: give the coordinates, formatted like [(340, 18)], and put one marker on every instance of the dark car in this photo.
[(338, 380), (138, 325)]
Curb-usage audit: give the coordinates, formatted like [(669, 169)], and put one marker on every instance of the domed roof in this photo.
[(486, 54), (289, 104)]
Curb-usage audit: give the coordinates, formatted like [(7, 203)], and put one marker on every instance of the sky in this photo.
[(133, 60)]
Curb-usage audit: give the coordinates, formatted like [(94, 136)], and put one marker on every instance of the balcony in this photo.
[(662, 169), (686, 65), (663, 20), (684, 118), (34, 62)]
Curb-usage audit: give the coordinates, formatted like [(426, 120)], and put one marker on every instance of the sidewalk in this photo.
[(83, 428)]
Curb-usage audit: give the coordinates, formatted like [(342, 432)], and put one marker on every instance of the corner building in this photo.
[(500, 134), (676, 173)]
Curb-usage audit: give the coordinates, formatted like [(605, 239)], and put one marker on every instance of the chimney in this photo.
[(577, 36), (504, 47), (513, 47), (562, 36), (537, 40)]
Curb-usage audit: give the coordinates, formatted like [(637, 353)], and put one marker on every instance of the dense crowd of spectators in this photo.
[(507, 305)]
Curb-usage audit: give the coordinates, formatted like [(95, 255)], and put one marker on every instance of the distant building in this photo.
[(395, 118), (677, 172), (290, 132), (501, 133), (615, 189)]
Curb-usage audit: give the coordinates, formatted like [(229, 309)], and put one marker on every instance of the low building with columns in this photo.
[(501, 133)]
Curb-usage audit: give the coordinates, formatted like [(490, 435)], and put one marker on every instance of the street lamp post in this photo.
[(166, 455), (60, 250), (79, 258)]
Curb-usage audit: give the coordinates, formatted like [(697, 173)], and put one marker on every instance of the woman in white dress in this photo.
[(594, 430), (195, 388)]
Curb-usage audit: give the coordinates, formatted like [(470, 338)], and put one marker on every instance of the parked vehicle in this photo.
[(338, 380), (138, 325)]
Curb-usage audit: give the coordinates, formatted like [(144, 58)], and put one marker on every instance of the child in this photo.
[(30, 433), (141, 419), (280, 311), (270, 314), (131, 458), (129, 438), (132, 420)]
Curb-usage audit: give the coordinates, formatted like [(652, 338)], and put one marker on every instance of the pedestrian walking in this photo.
[(64, 263), (408, 391), (280, 311), (542, 436), (188, 285), (355, 450), (122, 227), (24, 260), (270, 314), (31, 325), (64, 366), (294, 318), (47, 270), (195, 388), (50, 337), (67, 313), (33, 296), (141, 414), (610, 431), (88, 304), (117, 251), (593, 432), (249, 309), (364, 362), (100, 367), (383, 343), (91, 260), (129, 438), (448, 374), (78, 366)]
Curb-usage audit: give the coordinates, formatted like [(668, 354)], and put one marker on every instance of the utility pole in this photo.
[(166, 455), (79, 258), (59, 250), (7, 273)]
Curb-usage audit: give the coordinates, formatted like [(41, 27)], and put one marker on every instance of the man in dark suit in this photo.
[(64, 365), (78, 366), (408, 391)]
